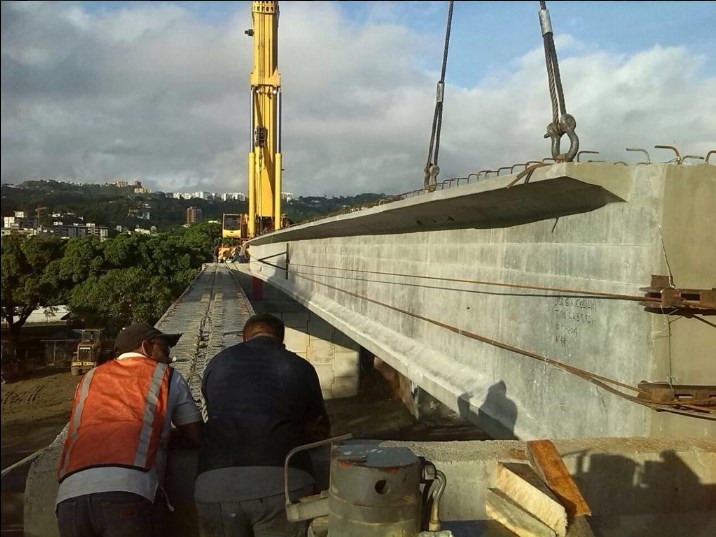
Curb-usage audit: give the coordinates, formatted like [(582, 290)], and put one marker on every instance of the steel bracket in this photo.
[(685, 301)]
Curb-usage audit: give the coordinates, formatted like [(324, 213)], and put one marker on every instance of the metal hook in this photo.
[(586, 152), (431, 177), (691, 156), (566, 125), (678, 156), (708, 155), (648, 158)]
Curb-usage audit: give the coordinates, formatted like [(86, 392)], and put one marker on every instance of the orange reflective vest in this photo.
[(117, 416)]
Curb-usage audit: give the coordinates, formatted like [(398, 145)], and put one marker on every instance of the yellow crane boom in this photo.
[(265, 155)]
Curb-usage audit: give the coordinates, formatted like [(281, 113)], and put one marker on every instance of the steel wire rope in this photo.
[(431, 166), (562, 122), (556, 92), (598, 380), (615, 296)]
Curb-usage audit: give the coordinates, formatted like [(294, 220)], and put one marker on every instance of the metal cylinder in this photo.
[(374, 491)]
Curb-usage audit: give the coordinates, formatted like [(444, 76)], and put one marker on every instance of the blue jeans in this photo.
[(106, 514), (264, 517)]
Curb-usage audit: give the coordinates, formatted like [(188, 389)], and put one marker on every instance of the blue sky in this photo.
[(157, 91)]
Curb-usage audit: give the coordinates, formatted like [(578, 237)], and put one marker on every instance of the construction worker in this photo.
[(262, 401), (114, 456)]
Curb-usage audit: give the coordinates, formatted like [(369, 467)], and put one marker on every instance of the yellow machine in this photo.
[(234, 230), (265, 155), (264, 212), (91, 350)]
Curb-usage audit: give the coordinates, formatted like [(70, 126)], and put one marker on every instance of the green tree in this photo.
[(121, 297), (123, 251), (201, 238), (83, 257), (28, 281)]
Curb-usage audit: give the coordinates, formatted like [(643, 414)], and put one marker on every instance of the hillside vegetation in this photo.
[(112, 206)]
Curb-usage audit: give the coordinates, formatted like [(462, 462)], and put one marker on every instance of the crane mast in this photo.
[(265, 155)]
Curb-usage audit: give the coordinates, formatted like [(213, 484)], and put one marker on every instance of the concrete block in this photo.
[(325, 375), (345, 364), (320, 351), (296, 340)]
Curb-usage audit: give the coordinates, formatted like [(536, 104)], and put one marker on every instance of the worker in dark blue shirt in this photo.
[(262, 401)]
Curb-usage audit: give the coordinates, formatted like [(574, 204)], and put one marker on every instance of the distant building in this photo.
[(227, 196), (287, 196), (98, 231), (120, 183), (193, 214), (19, 221)]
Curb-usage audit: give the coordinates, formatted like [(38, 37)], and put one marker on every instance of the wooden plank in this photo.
[(523, 486), (548, 464), (499, 507)]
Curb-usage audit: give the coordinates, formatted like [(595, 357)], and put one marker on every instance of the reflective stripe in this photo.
[(150, 407), (75, 423)]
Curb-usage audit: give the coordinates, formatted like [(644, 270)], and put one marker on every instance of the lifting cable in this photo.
[(605, 383), (614, 296), (562, 122), (431, 166)]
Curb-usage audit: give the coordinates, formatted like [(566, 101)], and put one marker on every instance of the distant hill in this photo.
[(109, 205)]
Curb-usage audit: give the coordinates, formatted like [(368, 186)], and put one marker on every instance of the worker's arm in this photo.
[(315, 430), (188, 435), (317, 426), (186, 417)]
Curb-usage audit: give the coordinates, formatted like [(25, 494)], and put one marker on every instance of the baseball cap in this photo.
[(131, 337)]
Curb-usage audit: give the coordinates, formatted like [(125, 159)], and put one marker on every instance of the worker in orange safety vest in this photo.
[(114, 456)]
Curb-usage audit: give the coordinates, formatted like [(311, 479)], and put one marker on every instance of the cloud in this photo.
[(154, 92)]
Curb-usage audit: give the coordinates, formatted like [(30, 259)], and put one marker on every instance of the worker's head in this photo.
[(264, 324), (147, 340)]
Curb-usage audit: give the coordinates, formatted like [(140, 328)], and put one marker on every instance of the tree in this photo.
[(83, 257), (119, 298), (27, 277)]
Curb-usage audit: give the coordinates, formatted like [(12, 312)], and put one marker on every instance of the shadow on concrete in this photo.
[(654, 497), (497, 414)]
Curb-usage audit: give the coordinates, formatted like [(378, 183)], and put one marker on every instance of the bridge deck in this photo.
[(210, 314)]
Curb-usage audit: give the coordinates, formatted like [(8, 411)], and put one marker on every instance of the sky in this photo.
[(158, 91)]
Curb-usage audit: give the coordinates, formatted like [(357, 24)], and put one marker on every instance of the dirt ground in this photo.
[(35, 409)]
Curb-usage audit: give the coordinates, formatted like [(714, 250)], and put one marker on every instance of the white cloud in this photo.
[(154, 93)]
